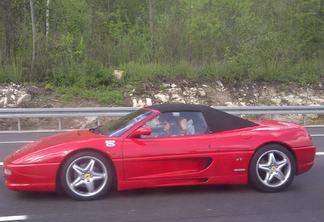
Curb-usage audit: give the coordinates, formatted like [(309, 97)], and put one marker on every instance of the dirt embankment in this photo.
[(216, 94)]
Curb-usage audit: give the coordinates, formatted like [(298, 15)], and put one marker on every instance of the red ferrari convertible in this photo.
[(164, 145)]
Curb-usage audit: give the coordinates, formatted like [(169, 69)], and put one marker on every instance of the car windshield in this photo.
[(120, 126)]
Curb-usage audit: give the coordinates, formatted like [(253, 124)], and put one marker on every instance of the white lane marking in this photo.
[(14, 218), (21, 141), (317, 135), (314, 126), (37, 131)]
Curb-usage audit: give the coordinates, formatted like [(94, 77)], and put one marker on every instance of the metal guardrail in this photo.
[(18, 113), (272, 110), (120, 111), (64, 112)]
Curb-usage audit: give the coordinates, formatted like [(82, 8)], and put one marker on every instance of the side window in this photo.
[(171, 124)]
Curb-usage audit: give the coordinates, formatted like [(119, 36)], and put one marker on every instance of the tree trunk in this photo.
[(190, 37), (34, 34), (151, 25), (108, 5), (47, 24), (9, 29)]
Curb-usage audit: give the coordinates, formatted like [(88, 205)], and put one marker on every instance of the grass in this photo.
[(91, 74), (305, 72), (104, 96), (94, 81)]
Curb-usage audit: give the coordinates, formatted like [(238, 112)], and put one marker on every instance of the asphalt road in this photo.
[(303, 201)]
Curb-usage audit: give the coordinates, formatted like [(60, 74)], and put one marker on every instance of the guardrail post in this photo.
[(304, 120), (60, 123), (98, 121), (18, 124)]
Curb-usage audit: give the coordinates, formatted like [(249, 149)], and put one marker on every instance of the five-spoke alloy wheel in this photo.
[(272, 168), (86, 175)]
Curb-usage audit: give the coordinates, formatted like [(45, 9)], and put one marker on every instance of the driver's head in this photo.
[(183, 123)]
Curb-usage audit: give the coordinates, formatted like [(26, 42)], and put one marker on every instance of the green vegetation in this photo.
[(102, 95), (78, 43)]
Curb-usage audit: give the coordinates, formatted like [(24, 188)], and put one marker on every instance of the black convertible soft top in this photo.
[(217, 120)]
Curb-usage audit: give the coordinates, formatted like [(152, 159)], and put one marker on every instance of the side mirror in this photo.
[(142, 131)]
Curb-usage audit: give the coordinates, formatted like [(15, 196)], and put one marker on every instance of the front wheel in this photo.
[(272, 168), (86, 175)]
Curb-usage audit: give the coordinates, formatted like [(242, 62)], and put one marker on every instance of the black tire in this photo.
[(75, 169), (260, 173)]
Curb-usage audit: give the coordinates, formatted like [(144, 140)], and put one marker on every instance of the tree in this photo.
[(47, 24), (9, 29), (151, 24), (32, 15)]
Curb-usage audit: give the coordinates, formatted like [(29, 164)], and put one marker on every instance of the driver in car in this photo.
[(187, 126)]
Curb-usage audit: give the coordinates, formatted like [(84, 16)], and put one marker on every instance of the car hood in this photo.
[(50, 141)]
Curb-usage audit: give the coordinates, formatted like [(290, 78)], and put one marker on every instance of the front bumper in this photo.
[(31, 177), (305, 157)]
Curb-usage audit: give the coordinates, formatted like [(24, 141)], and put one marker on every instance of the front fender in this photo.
[(57, 153)]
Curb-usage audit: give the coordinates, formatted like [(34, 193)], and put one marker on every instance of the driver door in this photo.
[(168, 157)]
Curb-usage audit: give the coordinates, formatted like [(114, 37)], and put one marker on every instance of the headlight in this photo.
[(7, 172)]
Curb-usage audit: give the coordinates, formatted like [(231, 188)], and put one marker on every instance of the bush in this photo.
[(85, 75), (103, 95), (11, 72)]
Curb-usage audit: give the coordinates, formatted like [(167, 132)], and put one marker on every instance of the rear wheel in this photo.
[(272, 168), (86, 175)]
